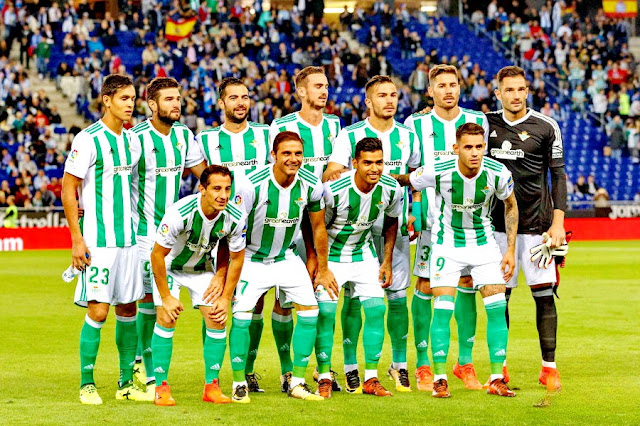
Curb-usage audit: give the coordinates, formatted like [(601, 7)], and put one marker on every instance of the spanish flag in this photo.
[(620, 8), (177, 30)]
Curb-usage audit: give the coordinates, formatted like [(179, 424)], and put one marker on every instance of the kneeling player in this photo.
[(275, 198), (181, 257), (463, 239), (354, 203)]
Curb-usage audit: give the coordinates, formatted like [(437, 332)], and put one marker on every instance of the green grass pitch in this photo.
[(598, 352)]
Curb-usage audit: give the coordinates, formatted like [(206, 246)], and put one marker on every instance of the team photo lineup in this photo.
[(318, 213)]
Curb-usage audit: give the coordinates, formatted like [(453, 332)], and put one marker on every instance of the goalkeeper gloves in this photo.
[(544, 254)]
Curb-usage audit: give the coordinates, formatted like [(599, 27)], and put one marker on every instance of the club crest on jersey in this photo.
[(400, 144), (524, 135), (300, 202), (179, 144), (486, 190), (73, 155), (254, 143), (220, 234), (380, 204), (493, 134)]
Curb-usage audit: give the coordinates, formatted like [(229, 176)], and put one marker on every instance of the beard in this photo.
[(232, 117), (166, 118)]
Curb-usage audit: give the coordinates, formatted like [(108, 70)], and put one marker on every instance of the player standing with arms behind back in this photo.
[(166, 148), (436, 131), (98, 169), (529, 144)]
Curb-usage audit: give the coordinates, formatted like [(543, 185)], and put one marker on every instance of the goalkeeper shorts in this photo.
[(532, 273)]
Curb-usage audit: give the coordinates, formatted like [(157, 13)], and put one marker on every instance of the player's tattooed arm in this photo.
[(511, 222)]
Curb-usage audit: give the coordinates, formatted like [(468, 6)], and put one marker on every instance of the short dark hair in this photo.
[(159, 83), (301, 77), (226, 82), (510, 71), (375, 81), (114, 82), (367, 145), (284, 137), (214, 169), (468, 129)]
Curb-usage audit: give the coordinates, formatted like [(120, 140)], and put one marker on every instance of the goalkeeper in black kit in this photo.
[(529, 144)]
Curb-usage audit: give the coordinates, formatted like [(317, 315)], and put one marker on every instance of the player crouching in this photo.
[(181, 257), (463, 239)]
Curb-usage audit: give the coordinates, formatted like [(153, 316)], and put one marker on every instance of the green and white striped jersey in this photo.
[(156, 179), (317, 141), (463, 205), (400, 150), (244, 151), (437, 137), (192, 237), (351, 214), (104, 161), (275, 213)]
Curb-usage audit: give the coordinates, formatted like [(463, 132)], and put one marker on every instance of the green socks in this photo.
[(421, 314), (373, 335), (282, 331), (255, 334), (89, 344), (304, 337), (144, 324), (324, 337), (351, 319), (215, 344), (465, 314), (126, 341), (239, 344), (162, 345), (398, 327), (440, 332), (497, 331)]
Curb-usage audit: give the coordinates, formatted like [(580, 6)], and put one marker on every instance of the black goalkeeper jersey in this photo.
[(528, 147)]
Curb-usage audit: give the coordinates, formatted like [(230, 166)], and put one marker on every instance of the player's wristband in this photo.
[(416, 211)]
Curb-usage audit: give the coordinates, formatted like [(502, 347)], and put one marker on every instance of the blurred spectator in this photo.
[(592, 185), (582, 186), (10, 218), (578, 100), (615, 130)]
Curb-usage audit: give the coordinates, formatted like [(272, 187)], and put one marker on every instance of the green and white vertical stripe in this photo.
[(351, 215), (437, 137), (275, 213), (464, 205), (105, 195), (317, 140), (244, 151), (159, 172)]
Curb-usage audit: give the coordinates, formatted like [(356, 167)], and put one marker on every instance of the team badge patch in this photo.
[(300, 202), (524, 135)]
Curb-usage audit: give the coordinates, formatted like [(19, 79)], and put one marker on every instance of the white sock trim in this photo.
[(350, 367), (370, 374), (549, 364), (236, 384), (399, 365), (322, 376), (281, 318), (242, 315), (493, 299), (92, 323), (147, 311), (295, 381), (422, 296), (125, 319), (256, 317), (496, 376), (444, 304), (217, 334), (308, 314), (437, 377), (163, 333)]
